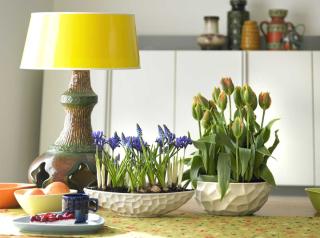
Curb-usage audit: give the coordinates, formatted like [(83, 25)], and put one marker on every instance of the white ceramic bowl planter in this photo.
[(140, 204), (240, 199)]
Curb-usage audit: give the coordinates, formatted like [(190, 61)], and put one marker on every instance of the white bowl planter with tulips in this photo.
[(147, 181), (230, 167)]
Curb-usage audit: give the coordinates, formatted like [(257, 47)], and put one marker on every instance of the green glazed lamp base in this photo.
[(71, 158)]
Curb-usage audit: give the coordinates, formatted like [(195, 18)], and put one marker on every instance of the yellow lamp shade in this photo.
[(58, 40)]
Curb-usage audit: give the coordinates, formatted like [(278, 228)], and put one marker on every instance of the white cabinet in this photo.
[(52, 112), (288, 78), (144, 96), (198, 72), (316, 90)]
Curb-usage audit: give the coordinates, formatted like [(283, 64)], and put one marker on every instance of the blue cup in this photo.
[(79, 204)]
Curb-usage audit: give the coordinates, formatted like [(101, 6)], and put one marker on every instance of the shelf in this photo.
[(187, 42)]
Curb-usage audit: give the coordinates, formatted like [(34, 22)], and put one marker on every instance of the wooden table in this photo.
[(280, 217)]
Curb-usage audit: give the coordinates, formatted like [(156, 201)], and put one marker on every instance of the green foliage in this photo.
[(233, 150)]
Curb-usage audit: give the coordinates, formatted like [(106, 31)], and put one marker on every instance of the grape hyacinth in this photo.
[(133, 142), (161, 139), (114, 141), (98, 139), (139, 131), (143, 166), (183, 142), (169, 135)]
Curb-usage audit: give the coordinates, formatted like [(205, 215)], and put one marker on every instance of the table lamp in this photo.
[(77, 42)]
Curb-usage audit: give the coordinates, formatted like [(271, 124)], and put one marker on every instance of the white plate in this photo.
[(94, 223)]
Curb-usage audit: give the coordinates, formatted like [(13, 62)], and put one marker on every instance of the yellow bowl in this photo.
[(35, 204)]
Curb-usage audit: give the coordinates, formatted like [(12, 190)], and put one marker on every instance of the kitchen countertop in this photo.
[(281, 216)]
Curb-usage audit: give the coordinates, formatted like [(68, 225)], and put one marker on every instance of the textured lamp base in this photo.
[(71, 158), (75, 169)]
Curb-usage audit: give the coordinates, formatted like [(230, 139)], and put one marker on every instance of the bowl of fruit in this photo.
[(36, 200)]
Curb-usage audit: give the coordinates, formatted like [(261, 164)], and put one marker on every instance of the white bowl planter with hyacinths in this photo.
[(147, 180), (230, 168)]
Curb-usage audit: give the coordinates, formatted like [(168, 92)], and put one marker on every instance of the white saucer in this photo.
[(94, 223)]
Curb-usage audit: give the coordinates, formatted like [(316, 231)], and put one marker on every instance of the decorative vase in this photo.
[(240, 199), (211, 39), (236, 17), (140, 204), (250, 39), (294, 38), (275, 30)]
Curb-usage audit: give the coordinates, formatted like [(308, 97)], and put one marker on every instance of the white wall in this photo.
[(20, 95), (184, 17)]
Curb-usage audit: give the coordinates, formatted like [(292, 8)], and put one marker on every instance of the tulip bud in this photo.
[(253, 101), (212, 105), (204, 102), (215, 94), (237, 127), (206, 119), (237, 97), (245, 94), (197, 111), (222, 101), (227, 85), (249, 97), (264, 100)]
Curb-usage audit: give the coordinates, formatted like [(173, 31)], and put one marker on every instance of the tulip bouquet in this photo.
[(143, 167), (232, 149)]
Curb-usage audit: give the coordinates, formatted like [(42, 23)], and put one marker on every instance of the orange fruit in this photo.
[(34, 191), (56, 188)]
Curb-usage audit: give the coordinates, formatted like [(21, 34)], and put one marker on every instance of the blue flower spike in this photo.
[(139, 131), (169, 135), (98, 139), (114, 141), (183, 142)]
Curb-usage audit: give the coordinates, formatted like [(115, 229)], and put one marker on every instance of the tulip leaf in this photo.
[(211, 160), (186, 175), (224, 140), (208, 178), (264, 151), (267, 176), (252, 162), (196, 166), (244, 155), (275, 143), (224, 170), (210, 139), (270, 124)]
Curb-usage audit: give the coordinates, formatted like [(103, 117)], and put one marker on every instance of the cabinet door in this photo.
[(198, 72), (144, 95), (288, 78), (316, 88), (52, 113)]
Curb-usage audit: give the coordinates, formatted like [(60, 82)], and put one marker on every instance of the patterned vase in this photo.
[(250, 39), (276, 30), (236, 17), (211, 39)]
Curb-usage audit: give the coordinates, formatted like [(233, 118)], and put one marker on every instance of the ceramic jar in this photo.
[(250, 39), (276, 30), (211, 39), (236, 17)]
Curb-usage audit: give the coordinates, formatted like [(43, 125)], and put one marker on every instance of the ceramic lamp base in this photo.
[(71, 158), (75, 169)]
